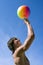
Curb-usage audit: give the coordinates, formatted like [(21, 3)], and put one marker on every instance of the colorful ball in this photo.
[(23, 12)]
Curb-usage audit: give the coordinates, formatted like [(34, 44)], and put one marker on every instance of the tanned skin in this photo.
[(19, 54)]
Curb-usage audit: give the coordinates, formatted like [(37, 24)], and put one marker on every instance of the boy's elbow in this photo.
[(32, 35)]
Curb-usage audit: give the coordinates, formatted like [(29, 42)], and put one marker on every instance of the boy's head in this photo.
[(13, 44)]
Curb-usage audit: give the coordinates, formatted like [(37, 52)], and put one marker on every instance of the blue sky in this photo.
[(12, 26)]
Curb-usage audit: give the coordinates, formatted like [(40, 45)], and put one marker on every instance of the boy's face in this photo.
[(17, 43)]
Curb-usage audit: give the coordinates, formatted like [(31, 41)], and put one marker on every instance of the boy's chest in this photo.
[(21, 60)]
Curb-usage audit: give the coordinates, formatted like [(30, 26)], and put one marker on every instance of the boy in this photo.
[(19, 49)]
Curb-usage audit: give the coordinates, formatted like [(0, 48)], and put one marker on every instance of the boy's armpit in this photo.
[(19, 51)]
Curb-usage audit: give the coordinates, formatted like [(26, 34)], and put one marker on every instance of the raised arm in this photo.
[(30, 35), (28, 41)]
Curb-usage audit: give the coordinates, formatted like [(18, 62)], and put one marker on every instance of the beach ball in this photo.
[(23, 12)]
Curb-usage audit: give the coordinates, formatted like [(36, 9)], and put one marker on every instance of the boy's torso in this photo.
[(22, 60)]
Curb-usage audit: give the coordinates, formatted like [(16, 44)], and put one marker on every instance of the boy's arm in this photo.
[(30, 35), (28, 41)]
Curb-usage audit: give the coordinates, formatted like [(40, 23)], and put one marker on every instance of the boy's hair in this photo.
[(10, 44)]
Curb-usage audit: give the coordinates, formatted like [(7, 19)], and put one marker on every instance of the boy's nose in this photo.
[(18, 40)]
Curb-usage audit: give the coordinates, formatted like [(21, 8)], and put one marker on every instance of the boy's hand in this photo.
[(26, 20)]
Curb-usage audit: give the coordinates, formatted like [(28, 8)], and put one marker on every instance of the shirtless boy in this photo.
[(18, 49)]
